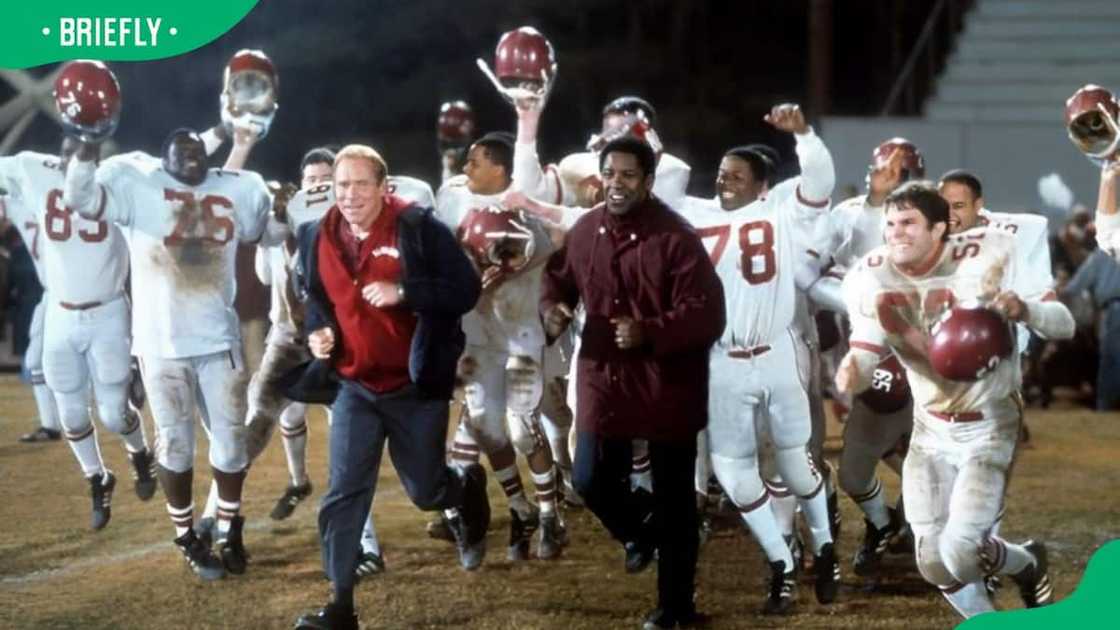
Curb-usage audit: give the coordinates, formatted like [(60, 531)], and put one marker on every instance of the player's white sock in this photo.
[(871, 502), (133, 437), (815, 510), (370, 543), (759, 517), (641, 474), (464, 451), (211, 509), (784, 505), (227, 511), (1004, 557), (546, 490), (295, 448), (84, 445), (48, 408), (558, 442), (510, 480), (969, 600), (182, 518)]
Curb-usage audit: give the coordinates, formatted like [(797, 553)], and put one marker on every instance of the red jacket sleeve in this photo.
[(698, 314)]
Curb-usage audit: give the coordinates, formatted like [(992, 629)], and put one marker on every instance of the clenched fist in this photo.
[(321, 343), (628, 333), (556, 319)]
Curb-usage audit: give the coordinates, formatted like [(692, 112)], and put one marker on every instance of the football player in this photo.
[(183, 222), (502, 364), (871, 430), (965, 428), (759, 368)]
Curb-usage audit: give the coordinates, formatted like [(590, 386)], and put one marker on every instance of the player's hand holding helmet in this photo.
[(496, 237), (1091, 122), (88, 99), (524, 68), (969, 341), (250, 88), (635, 124)]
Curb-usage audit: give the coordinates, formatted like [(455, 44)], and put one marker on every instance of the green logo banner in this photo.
[(1091, 605), (112, 30)]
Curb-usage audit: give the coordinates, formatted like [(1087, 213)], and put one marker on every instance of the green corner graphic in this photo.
[(1089, 606), (113, 30)]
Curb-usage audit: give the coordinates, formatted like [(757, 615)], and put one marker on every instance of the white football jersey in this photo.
[(1032, 255), (27, 179), (183, 241), (856, 228), (84, 261), (1108, 233), (889, 308)]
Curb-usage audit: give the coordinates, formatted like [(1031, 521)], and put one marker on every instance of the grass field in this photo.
[(56, 573)]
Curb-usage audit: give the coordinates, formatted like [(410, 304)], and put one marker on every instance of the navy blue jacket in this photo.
[(440, 286)]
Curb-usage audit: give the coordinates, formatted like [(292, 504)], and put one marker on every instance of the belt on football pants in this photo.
[(81, 306), (963, 416), (748, 353)]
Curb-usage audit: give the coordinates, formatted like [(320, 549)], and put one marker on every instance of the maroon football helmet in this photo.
[(969, 341), (88, 99), (913, 163), (524, 56), (497, 237), (456, 123), (890, 391), (249, 91), (1091, 121)]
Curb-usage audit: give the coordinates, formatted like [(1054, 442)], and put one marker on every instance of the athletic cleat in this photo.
[(42, 434), (232, 548), (470, 554), (552, 537), (369, 564), (438, 530), (199, 557), (783, 585), (521, 533), (286, 504), (827, 571), (205, 529), (638, 556), (330, 617), (875, 542), (1034, 581), (101, 493), (144, 472), (992, 584)]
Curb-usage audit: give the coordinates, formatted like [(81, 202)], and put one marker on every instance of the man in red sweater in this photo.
[(385, 285), (654, 308)]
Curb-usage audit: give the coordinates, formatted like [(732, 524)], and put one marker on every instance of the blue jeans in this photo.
[(363, 421)]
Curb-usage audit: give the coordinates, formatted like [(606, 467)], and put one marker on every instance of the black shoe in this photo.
[(199, 557), (875, 542), (42, 434), (552, 538), (476, 505), (470, 555), (232, 548), (638, 556), (521, 533), (205, 529), (286, 504), (827, 571), (660, 619), (783, 585), (144, 472), (101, 493), (369, 563), (438, 530), (1034, 581), (329, 617)]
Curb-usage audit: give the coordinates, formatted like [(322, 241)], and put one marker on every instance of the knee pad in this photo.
[(228, 451), (739, 478), (487, 429), (112, 407), (175, 447), (294, 416), (797, 470), (927, 555), (524, 384), (960, 552), (73, 411), (525, 432)]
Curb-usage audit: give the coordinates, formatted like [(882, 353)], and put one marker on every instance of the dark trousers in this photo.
[(1108, 376), (601, 474), (362, 421)]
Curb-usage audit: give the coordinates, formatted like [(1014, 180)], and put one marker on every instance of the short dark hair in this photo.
[(632, 105), (499, 149), (761, 165), (963, 177), (633, 146), (318, 155), (177, 133), (922, 195)]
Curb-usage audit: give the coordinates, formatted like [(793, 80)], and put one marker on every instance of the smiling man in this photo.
[(654, 308)]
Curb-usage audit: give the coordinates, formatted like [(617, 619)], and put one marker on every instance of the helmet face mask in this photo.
[(495, 237), (1092, 122), (249, 92), (524, 67)]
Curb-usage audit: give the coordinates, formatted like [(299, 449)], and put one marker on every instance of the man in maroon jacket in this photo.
[(654, 308)]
